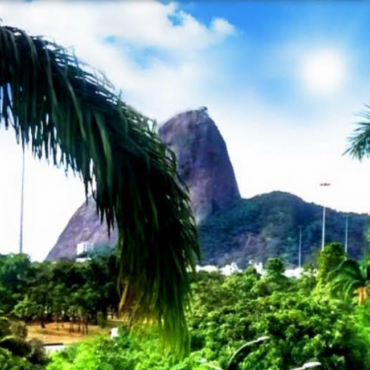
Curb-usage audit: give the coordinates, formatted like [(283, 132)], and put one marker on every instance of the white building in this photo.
[(230, 269), (293, 273), (207, 268), (84, 247)]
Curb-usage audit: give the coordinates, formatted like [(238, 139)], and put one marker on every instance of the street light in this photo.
[(346, 236), (241, 349), (235, 355), (300, 249), (212, 366), (326, 184), (308, 365), (203, 361)]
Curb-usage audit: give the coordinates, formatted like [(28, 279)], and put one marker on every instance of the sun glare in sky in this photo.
[(324, 72)]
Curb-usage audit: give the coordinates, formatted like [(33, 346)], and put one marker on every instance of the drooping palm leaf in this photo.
[(72, 116), (360, 141), (351, 279)]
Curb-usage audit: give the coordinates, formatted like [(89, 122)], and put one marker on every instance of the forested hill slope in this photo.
[(268, 225)]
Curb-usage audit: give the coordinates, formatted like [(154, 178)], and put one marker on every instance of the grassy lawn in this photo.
[(61, 334)]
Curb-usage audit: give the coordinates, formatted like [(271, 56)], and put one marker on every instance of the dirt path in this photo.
[(52, 334)]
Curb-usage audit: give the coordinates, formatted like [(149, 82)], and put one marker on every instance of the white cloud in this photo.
[(173, 77), (146, 25), (222, 27)]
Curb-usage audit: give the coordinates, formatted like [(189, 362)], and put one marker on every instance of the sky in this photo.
[(284, 81)]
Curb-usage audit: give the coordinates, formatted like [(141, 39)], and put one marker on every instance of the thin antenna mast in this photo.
[(22, 202)]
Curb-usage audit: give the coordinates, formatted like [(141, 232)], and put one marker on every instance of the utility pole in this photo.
[(323, 228), (300, 248), (346, 236), (326, 184), (22, 203)]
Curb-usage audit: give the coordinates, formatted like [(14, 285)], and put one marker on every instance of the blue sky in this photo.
[(282, 80), (264, 27)]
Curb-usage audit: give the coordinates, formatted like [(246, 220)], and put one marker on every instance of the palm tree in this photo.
[(70, 115), (350, 280), (360, 142), (360, 148)]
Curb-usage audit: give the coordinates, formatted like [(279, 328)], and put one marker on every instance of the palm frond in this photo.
[(347, 269), (359, 142), (350, 280), (72, 116)]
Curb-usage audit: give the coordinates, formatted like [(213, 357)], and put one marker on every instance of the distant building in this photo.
[(258, 266), (230, 269), (84, 247), (82, 250), (233, 268), (207, 268), (226, 270), (296, 273)]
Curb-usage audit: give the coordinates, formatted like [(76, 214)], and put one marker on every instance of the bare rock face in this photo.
[(83, 227), (203, 161)]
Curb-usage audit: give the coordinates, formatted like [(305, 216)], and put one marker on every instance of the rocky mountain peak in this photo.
[(204, 165), (203, 161)]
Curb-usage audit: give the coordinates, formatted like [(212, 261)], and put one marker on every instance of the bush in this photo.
[(19, 329), (102, 320)]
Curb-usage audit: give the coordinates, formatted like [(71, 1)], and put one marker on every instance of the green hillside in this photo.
[(268, 225)]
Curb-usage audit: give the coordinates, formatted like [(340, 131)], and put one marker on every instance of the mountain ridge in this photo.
[(231, 229), (268, 224)]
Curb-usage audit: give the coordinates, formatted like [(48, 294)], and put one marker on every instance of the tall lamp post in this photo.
[(22, 203), (232, 363), (325, 184), (346, 236), (300, 249), (308, 365)]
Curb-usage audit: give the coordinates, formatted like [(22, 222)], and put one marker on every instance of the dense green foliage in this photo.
[(268, 225), (79, 293), (15, 352), (127, 352), (303, 320), (351, 281), (71, 115), (62, 291), (329, 260)]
